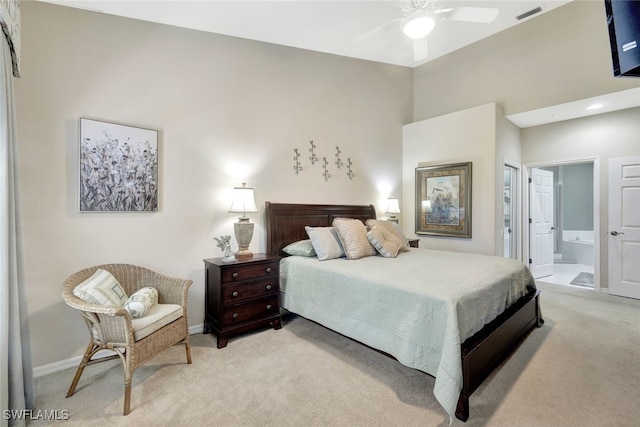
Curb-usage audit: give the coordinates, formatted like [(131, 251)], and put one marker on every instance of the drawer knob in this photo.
[(268, 287), (268, 306), (268, 269), (235, 275), (234, 315), (235, 294)]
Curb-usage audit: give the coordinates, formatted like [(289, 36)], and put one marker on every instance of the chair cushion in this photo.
[(158, 316), (101, 288), (141, 301)]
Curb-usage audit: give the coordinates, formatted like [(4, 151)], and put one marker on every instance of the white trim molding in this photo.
[(73, 362)]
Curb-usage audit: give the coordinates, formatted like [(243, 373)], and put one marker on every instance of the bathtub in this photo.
[(577, 245)]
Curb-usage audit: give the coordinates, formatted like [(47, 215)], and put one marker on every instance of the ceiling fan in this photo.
[(420, 17)]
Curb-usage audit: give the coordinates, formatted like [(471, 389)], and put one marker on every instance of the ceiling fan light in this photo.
[(419, 27)]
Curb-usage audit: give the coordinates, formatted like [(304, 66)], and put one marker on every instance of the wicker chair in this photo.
[(110, 328)]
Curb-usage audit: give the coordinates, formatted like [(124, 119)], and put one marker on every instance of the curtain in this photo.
[(16, 374)]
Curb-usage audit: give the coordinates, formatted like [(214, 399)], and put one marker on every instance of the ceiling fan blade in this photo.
[(483, 15), (420, 49)]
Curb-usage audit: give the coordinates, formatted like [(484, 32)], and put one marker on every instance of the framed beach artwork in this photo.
[(118, 167), (443, 200)]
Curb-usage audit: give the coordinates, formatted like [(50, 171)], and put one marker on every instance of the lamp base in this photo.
[(244, 232), (393, 218)]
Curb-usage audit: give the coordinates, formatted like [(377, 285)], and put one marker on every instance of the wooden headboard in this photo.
[(286, 221)]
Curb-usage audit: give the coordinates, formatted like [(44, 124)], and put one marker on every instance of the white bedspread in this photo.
[(418, 307)]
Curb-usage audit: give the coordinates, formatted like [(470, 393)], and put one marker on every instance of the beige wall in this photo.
[(508, 149), (443, 140), (558, 57), (601, 137), (228, 110)]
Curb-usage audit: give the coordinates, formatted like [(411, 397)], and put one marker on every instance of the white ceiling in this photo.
[(582, 108), (329, 26), (363, 29)]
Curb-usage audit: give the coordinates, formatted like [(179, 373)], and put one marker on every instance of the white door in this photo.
[(624, 227), (541, 223)]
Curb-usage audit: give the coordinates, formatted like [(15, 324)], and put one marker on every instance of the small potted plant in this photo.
[(224, 243)]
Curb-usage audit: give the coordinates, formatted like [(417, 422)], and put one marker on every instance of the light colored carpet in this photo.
[(580, 369)]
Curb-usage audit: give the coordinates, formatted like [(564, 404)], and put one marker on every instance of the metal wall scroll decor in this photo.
[(339, 162), (313, 158), (296, 158), (326, 173)]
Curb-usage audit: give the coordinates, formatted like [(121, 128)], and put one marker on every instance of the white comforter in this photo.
[(418, 307)]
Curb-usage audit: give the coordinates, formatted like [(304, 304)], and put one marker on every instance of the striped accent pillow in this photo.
[(386, 243), (101, 288), (393, 228), (353, 237)]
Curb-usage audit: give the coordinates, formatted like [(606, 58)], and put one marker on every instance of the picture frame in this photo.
[(443, 200), (118, 167)]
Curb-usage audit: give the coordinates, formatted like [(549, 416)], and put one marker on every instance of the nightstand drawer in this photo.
[(247, 312), (249, 271), (234, 293)]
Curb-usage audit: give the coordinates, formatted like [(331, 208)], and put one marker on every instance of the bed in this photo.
[(436, 325)]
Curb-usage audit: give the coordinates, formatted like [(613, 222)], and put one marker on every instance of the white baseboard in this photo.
[(196, 329), (73, 362)]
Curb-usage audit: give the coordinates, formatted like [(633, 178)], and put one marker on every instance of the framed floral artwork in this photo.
[(118, 167)]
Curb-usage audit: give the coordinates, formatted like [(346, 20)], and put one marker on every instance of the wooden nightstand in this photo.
[(414, 243), (241, 296)]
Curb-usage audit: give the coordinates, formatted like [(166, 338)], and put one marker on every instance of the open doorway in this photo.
[(564, 242)]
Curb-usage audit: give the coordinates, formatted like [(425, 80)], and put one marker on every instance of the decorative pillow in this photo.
[(393, 228), (101, 288), (325, 242), (141, 301), (386, 243), (353, 237), (300, 248)]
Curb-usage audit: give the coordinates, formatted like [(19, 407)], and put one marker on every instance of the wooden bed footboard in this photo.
[(481, 353)]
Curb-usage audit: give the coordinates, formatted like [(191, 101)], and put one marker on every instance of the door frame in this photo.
[(596, 209), (517, 206)]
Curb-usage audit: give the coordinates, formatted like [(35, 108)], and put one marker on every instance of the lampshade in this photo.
[(393, 208), (419, 25), (243, 200)]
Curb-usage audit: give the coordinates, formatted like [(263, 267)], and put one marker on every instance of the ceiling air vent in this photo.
[(529, 13)]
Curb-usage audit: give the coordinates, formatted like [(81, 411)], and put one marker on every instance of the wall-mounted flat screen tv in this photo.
[(623, 19)]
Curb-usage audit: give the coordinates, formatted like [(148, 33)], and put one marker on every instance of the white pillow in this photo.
[(140, 302), (353, 237), (300, 248), (325, 242), (101, 288), (386, 243)]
